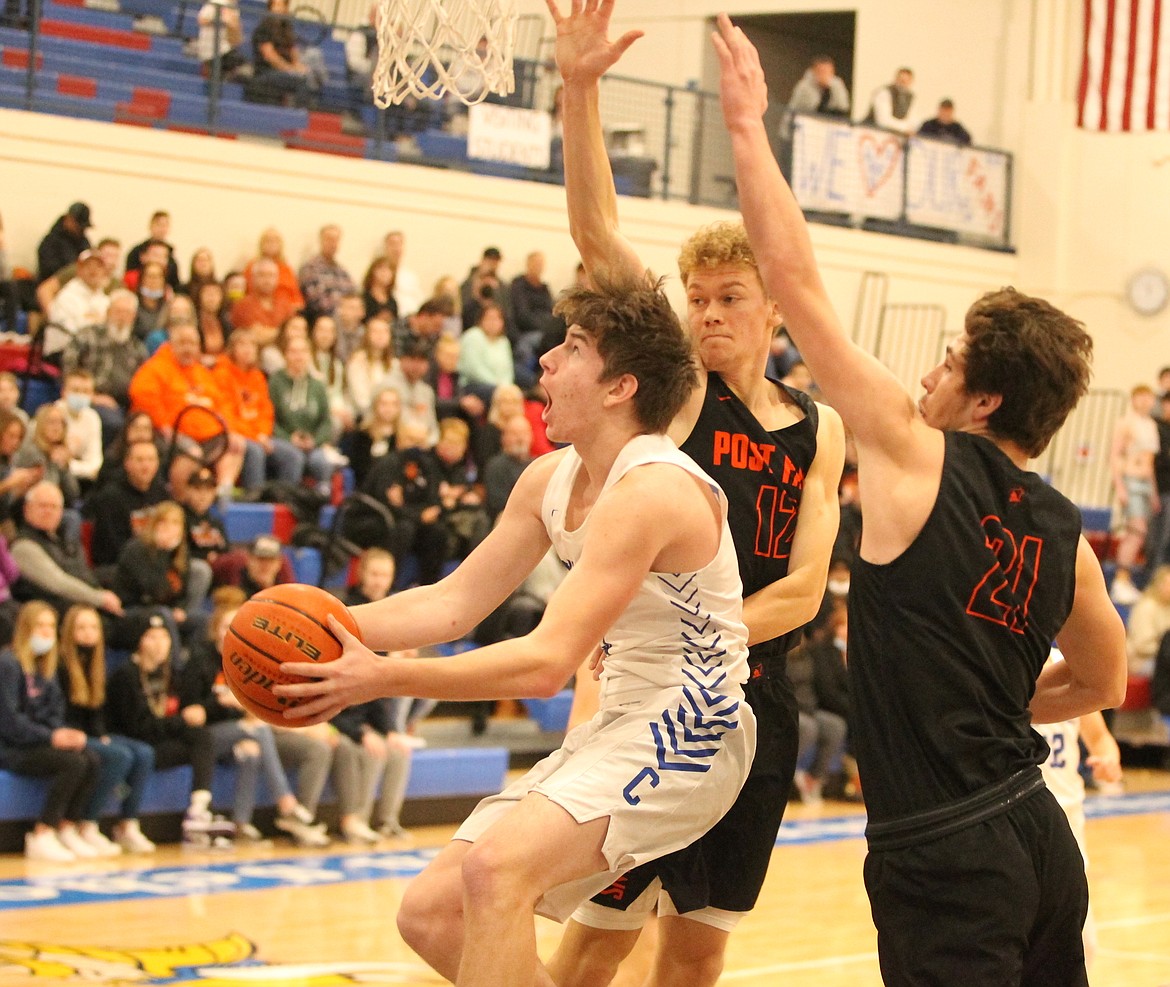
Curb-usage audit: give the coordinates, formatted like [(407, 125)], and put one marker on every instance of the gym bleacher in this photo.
[(94, 64)]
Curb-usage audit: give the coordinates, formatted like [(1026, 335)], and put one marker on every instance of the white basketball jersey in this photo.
[(681, 629), (1062, 768)]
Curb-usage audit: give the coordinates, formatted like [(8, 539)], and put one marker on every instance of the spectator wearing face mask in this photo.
[(83, 427)]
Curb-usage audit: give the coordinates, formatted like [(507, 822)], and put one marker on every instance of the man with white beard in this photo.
[(111, 353)]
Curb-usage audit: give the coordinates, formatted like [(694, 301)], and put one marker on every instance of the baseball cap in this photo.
[(88, 255), (80, 212), (202, 478), (145, 622), (265, 547)]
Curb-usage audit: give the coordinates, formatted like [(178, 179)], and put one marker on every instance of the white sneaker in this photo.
[(1124, 592), (72, 840), (359, 832), (809, 788), (302, 833), (248, 833), (131, 838), (395, 831), (89, 832), (46, 846), (334, 456)]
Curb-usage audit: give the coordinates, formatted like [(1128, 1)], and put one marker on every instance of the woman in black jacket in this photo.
[(34, 739), (155, 570), (143, 703)]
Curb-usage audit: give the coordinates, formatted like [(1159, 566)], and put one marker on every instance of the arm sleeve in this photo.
[(38, 568)]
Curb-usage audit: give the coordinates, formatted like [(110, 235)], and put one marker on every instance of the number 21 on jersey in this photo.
[(1005, 591)]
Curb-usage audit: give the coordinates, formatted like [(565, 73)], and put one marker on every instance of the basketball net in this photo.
[(429, 48)]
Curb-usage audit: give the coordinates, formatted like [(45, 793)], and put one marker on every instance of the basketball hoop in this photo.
[(429, 48)]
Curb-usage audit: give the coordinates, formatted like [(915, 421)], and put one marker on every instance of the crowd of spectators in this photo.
[(179, 395), (892, 107)]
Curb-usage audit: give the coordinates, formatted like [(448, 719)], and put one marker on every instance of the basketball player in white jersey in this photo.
[(653, 579), (1063, 777)]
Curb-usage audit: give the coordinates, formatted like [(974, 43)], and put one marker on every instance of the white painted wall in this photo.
[(1089, 209), (221, 194)]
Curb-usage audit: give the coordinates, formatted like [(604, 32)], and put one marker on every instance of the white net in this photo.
[(429, 48)]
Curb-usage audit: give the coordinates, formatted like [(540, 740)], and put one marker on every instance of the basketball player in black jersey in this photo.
[(970, 566), (778, 456)]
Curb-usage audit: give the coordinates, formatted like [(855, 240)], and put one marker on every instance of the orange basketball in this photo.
[(284, 623)]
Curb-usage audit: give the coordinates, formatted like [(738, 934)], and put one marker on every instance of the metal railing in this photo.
[(666, 142)]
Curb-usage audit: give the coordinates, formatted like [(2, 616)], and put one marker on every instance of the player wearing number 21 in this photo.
[(970, 566)]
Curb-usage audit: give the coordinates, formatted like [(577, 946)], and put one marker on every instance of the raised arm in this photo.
[(584, 53), (794, 600), (870, 399)]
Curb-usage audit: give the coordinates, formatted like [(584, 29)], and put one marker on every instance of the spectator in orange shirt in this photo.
[(175, 378), (244, 385), (288, 289), (262, 309)]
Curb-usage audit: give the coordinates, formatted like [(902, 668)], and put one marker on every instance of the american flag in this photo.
[(1125, 66)]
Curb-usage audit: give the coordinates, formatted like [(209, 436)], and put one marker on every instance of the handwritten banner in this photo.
[(852, 170), (509, 134), (874, 174), (957, 188)]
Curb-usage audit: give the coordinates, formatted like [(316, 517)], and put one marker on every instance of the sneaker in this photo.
[(72, 840), (303, 834), (204, 825), (334, 456), (130, 837), (395, 831), (1123, 592), (359, 832), (46, 846), (248, 832), (808, 787), (89, 832)]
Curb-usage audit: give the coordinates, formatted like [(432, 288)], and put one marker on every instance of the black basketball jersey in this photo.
[(946, 643), (762, 474)]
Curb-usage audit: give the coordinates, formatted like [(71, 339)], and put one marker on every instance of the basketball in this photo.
[(284, 623)]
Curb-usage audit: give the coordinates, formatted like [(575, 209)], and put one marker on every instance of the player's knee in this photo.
[(492, 879), (587, 957), (427, 920), (698, 965)]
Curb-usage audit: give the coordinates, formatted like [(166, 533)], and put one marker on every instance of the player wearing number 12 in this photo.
[(969, 566)]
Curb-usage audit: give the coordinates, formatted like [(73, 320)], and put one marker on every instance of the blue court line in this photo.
[(73, 887)]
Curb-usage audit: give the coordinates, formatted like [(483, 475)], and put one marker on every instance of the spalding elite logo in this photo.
[(248, 673), (273, 627)]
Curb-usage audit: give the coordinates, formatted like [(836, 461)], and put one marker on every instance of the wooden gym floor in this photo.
[(273, 914)]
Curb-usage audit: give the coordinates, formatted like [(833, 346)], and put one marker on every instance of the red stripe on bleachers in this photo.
[(69, 3), (151, 102), (17, 58), (76, 85), (323, 125), (98, 35)]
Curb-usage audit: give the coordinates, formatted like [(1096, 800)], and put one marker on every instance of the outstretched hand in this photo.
[(584, 51), (357, 676), (742, 88)]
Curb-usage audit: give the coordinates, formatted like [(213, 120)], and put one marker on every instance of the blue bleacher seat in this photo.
[(551, 714), (245, 521), (1096, 518)]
